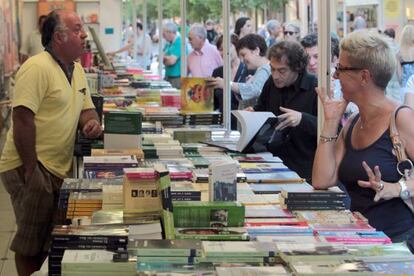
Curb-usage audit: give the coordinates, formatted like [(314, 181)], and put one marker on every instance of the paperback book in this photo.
[(196, 96)]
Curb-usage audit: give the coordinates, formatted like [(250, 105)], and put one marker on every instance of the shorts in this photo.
[(35, 208), (175, 81)]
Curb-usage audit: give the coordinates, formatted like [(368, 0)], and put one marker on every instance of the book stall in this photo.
[(170, 192)]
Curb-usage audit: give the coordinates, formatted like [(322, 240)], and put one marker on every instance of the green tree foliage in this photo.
[(201, 10)]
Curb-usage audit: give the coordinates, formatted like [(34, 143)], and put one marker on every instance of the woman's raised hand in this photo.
[(333, 109)]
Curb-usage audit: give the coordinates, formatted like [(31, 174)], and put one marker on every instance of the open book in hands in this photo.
[(257, 130)]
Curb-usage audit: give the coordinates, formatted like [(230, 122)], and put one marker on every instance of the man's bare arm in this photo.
[(24, 134)]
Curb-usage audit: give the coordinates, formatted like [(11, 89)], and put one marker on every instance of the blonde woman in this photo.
[(361, 156), (406, 55)]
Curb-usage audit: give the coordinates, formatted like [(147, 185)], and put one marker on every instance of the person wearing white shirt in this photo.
[(33, 43)]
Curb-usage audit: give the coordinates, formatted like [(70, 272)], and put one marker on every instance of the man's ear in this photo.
[(59, 37)]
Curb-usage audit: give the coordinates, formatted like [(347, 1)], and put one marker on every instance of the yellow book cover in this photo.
[(196, 96)]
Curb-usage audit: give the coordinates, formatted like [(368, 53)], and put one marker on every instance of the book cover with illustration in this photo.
[(196, 96)]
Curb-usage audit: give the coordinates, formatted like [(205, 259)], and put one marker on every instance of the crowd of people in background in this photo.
[(273, 70)]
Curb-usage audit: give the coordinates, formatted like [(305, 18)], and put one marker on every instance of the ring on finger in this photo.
[(381, 186)]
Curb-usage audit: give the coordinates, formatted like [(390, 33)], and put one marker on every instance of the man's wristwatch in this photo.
[(404, 193)]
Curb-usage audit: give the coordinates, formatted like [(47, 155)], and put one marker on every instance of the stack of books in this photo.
[(158, 252), (107, 166), (192, 135), (145, 96), (185, 191), (152, 128), (122, 130), (240, 252), (171, 97), (96, 262), (209, 220), (150, 139), (277, 227), (163, 150), (112, 196), (205, 118), (138, 153), (82, 204), (335, 221), (355, 237), (310, 199), (141, 190), (274, 270), (71, 185), (168, 116), (113, 238)]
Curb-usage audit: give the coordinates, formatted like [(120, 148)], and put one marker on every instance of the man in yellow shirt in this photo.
[(51, 101)]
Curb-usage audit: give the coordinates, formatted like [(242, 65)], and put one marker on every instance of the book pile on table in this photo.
[(355, 237), (145, 96), (141, 190), (158, 252), (202, 175), (96, 262), (309, 199), (163, 150), (191, 135), (138, 153), (185, 191), (113, 238), (112, 196), (197, 256), (168, 116), (331, 220), (328, 258), (152, 127), (209, 220), (207, 118), (81, 197), (71, 185), (82, 204), (171, 97), (274, 270), (245, 252), (107, 166), (277, 227)]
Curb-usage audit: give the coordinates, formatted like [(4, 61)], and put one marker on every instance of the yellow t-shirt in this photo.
[(41, 86)]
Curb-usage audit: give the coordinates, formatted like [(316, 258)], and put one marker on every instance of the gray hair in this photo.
[(272, 24), (199, 30), (170, 27), (293, 25), (369, 50)]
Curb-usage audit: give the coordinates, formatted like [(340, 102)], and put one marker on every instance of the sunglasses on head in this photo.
[(289, 33)]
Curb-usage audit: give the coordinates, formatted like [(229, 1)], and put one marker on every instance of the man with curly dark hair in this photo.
[(290, 94)]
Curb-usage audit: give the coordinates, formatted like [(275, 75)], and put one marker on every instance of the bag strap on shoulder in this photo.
[(395, 137)]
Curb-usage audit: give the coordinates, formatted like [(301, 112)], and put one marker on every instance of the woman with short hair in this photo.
[(361, 156)]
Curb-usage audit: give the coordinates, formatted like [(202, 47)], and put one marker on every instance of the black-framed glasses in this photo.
[(289, 33), (339, 69)]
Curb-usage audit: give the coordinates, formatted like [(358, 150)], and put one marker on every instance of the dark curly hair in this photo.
[(295, 55), (240, 22), (251, 42), (310, 40)]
